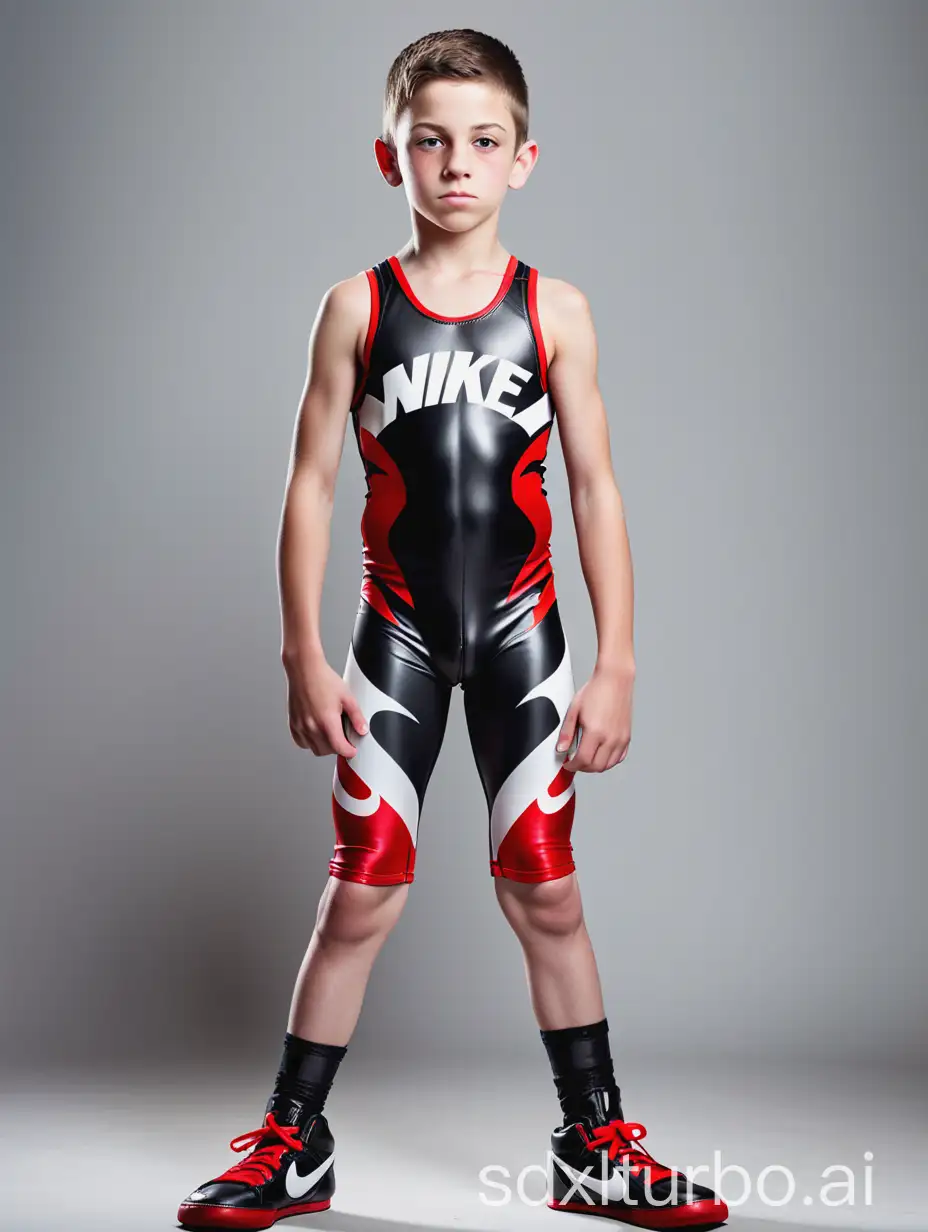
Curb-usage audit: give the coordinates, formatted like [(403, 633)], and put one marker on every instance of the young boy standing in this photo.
[(451, 359)]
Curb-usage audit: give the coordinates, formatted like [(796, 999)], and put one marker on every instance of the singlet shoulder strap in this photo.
[(377, 289), (531, 307)]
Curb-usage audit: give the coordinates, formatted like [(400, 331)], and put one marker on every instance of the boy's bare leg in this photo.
[(352, 922), (563, 979)]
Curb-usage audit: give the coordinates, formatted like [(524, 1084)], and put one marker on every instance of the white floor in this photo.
[(115, 1150)]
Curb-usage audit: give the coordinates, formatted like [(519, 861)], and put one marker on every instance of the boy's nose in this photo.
[(456, 163)]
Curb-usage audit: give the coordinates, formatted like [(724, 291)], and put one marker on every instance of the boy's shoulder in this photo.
[(564, 311), (344, 310), (561, 296), (349, 295)]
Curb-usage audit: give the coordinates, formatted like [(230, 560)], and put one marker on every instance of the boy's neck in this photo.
[(434, 251)]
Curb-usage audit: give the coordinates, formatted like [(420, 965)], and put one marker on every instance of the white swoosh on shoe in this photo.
[(298, 1185)]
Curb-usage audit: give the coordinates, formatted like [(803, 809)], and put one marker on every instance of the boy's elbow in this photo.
[(311, 481), (595, 486)]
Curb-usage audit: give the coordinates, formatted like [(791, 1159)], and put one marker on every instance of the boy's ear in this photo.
[(523, 163), (386, 161)]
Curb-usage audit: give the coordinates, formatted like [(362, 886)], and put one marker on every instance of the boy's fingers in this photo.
[(601, 759), (337, 738), (583, 753), (567, 730), (356, 715)]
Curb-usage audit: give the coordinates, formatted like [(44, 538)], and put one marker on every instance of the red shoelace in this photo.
[(271, 1142), (620, 1136)]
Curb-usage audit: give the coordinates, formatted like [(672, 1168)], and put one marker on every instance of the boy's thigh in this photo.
[(377, 795), (515, 705)]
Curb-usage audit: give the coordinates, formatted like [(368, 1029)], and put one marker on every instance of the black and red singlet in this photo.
[(452, 417)]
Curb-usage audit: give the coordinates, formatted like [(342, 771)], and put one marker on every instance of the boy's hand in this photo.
[(602, 709), (317, 695)]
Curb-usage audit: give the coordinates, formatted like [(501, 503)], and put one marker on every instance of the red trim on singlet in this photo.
[(471, 316), (371, 330), (536, 327)]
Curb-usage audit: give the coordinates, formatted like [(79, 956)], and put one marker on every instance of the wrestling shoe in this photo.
[(288, 1171), (597, 1169)]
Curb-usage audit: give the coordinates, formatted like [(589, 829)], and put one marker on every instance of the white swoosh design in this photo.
[(372, 763), (542, 765), (614, 1188), (298, 1185)]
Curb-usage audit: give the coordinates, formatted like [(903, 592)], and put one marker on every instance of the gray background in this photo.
[(740, 190)]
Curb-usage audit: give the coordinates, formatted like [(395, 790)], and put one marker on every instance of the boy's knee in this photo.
[(353, 912), (551, 907)]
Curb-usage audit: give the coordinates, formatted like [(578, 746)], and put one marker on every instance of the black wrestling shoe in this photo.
[(289, 1171), (597, 1169)]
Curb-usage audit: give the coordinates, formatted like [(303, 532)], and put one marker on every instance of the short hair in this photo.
[(454, 54)]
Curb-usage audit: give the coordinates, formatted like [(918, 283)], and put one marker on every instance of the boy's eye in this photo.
[(431, 147)]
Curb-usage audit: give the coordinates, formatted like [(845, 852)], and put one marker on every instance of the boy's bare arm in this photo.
[(317, 693), (599, 517)]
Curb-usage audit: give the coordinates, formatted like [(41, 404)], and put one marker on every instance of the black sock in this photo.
[(307, 1071), (583, 1074)]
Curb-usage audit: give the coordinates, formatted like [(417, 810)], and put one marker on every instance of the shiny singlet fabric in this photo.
[(452, 419)]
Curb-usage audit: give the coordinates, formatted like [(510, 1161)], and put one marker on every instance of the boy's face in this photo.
[(456, 136)]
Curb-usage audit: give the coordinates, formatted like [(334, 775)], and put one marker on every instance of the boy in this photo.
[(451, 358)]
